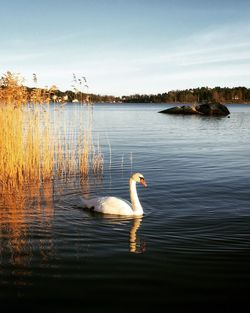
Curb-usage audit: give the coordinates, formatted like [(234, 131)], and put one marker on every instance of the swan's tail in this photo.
[(86, 203)]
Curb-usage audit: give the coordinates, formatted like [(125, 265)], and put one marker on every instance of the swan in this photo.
[(116, 206)]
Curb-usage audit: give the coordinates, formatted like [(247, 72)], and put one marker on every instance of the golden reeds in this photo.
[(12, 91), (97, 159), (32, 147), (26, 147)]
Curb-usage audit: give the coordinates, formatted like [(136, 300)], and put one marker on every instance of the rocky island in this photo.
[(210, 108)]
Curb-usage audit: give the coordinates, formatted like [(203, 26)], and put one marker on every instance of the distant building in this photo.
[(235, 97)]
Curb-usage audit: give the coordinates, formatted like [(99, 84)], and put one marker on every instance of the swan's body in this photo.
[(116, 206)]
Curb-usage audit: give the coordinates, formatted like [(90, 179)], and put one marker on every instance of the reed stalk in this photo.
[(32, 148)]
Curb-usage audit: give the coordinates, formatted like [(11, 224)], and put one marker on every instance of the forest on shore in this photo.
[(217, 94), (11, 86)]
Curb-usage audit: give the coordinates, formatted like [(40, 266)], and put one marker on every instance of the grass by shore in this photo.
[(33, 149)]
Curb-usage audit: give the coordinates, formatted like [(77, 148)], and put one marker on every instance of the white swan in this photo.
[(116, 206)]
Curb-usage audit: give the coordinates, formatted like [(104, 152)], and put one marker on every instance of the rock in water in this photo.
[(185, 109), (213, 108)]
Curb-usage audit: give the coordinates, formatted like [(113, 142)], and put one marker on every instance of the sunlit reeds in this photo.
[(12, 91), (26, 147), (34, 147), (97, 159)]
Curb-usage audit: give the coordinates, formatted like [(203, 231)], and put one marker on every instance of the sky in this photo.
[(127, 47)]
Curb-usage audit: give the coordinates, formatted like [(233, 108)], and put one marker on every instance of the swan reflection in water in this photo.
[(135, 245)]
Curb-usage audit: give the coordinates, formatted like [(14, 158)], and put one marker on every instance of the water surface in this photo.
[(191, 246)]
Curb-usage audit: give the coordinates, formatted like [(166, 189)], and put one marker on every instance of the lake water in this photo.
[(192, 246)]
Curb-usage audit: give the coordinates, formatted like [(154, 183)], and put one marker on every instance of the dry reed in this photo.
[(32, 148), (97, 159)]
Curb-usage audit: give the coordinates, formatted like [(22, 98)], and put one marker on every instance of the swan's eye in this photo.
[(143, 182)]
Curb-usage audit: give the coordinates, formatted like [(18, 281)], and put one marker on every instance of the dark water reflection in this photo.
[(191, 246)]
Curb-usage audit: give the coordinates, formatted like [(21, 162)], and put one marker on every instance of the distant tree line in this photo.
[(57, 95), (217, 94), (13, 90)]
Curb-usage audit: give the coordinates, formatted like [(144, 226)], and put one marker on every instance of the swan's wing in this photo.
[(108, 205), (113, 205)]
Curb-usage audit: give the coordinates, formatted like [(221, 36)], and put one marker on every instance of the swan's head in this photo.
[(139, 178)]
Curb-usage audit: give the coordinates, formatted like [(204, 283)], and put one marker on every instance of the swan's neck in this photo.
[(136, 206)]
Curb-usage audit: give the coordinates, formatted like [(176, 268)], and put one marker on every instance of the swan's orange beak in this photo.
[(143, 182)]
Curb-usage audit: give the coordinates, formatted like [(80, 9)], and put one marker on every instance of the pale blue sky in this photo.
[(127, 47)]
